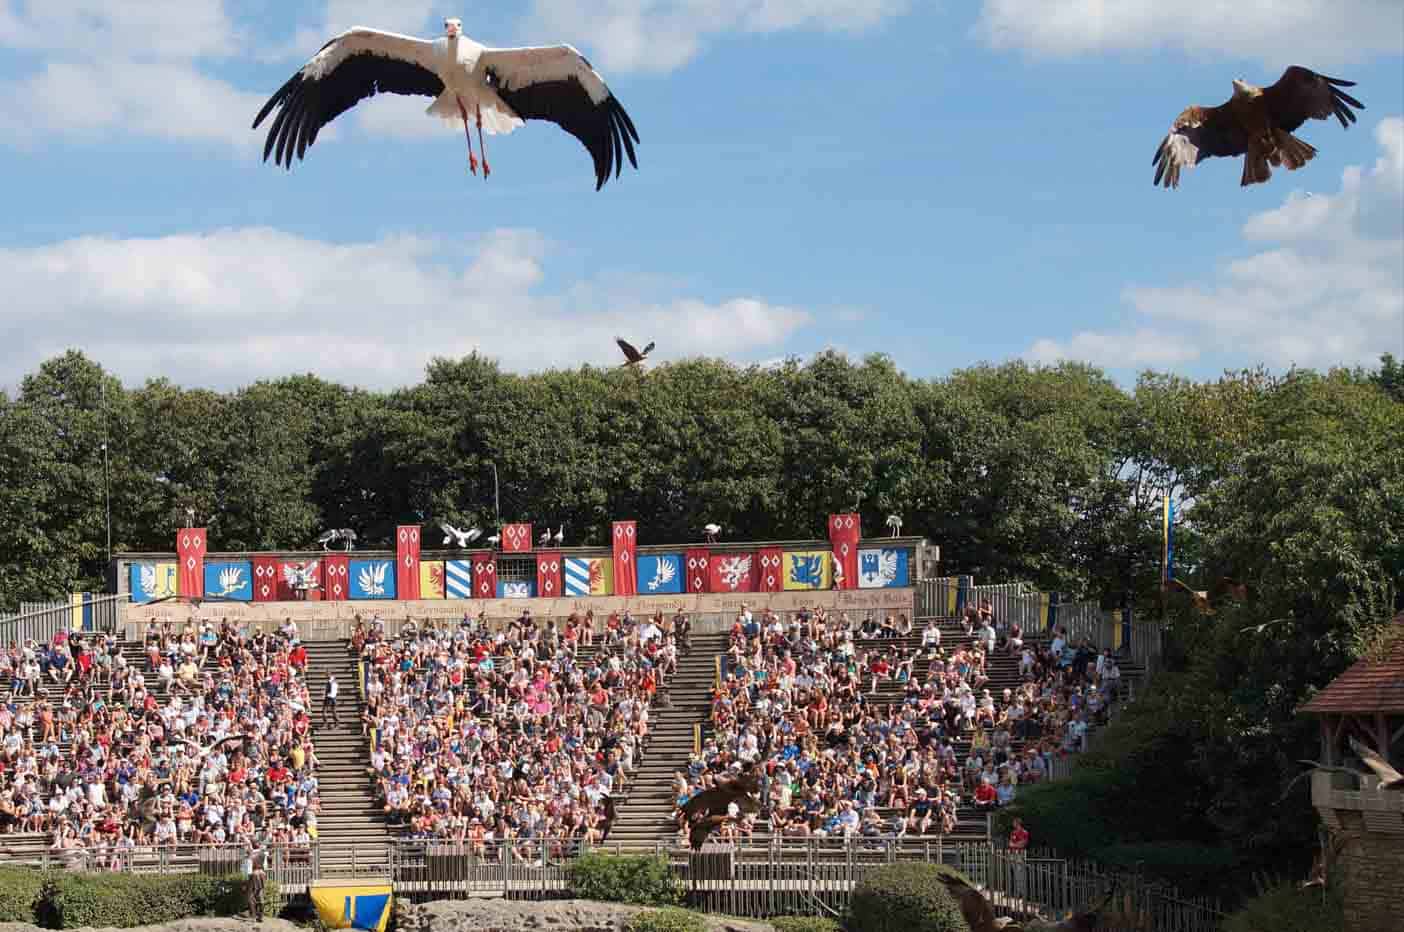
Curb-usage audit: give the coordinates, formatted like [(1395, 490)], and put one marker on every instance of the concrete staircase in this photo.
[(351, 828), (643, 818)]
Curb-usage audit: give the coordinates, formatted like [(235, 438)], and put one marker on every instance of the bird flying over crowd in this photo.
[(498, 89), (1256, 123), (710, 809)]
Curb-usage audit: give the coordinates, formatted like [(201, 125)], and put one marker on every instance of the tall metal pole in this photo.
[(496, 498), (106, 481)]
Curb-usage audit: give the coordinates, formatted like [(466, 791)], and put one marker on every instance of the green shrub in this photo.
[(1191, 867), (904, 898), (671, 919), (613, 878), (21, 890), (73, 900), (804, 924), (1285, 908)]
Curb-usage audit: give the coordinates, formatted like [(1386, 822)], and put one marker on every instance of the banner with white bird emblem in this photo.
[(548, 573), (371, 579), (732, 572), (661, 573), (190, 554), (886, 568), (407, 561), (151, 581), (231, 581), (626, 549), (302, 576), (516, 589)]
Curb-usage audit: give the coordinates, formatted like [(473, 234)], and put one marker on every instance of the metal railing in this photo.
[(81, 612)]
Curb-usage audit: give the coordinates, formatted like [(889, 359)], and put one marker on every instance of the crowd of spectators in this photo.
[(858, 733), (206, 740), (514, 736)]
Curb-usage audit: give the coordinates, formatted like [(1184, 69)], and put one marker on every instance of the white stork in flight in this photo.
[(501, 88)]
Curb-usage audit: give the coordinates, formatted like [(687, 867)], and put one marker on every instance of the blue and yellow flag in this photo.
[(353, 906), (151, 581), (809, 569)]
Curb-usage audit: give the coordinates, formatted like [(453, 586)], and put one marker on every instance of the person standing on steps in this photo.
[(329, 702), (253, 888)]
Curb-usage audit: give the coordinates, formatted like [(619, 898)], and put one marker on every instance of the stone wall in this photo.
[(1372, 871), (496, 915)]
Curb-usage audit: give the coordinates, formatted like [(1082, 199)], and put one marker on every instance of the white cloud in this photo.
[(228, 307), (661, 35), (1329, 291), (149, 29), (1320, 32), (1141, 347), (167, 100), (409, 17)]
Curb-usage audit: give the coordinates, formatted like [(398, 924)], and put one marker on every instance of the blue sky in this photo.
[(947, 183)]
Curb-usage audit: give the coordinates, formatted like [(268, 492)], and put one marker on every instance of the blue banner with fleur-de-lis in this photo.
[(232, 581), (660, 573), (884, 568), (371, 579)]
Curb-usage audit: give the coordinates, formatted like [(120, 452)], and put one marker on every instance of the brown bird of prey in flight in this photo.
[(1205, 600), (632, 356), (710, 809), (1257, 123)]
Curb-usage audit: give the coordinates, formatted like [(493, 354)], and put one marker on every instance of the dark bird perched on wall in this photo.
[(633, 357), (502, 88), (1257, 123)]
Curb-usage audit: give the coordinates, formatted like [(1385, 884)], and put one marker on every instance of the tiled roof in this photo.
[(1366, 687)]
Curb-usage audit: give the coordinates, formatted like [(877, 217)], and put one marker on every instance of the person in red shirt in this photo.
[(985, 798), (1018, 837)]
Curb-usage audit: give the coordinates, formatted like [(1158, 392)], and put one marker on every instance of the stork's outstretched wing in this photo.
[(355, 65), (1390, 779), (558, 84)]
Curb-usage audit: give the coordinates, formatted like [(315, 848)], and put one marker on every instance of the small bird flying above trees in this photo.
[(1256, 123)]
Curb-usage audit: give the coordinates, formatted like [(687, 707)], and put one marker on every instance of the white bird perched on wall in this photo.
[(545, 538), (493, 540), (710, 532), (895, 523), (501, 88), (464, 538), (559, 537)]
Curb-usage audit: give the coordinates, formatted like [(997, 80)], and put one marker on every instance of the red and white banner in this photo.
[(697, 575), (516, 538), (771, 577), (293, 571), (265, 579), (732, 572), (844, 533), (407, 561), (190, 551), (548, 574), (485, 574), (336, 581), (626, 550)]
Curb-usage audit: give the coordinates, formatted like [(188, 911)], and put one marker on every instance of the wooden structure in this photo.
[(1366, 825)]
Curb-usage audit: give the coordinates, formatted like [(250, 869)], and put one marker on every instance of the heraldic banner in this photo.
[(772, 570), (431, 579), (353, 906), (548, 574), (732, 572), (407, 561), (626, 548), (190, 553), (516, 538), (336, 582), (265, 579), (697, 574), (844, 533), (484, 576), (303, 576)]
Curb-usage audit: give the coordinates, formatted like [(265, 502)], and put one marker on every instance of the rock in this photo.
[(493, 915)]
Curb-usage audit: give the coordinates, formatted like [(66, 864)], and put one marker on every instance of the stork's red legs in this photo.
[(472, 161), (483, 145)]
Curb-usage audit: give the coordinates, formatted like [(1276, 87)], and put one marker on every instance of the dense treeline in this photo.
[(1053, 475)]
